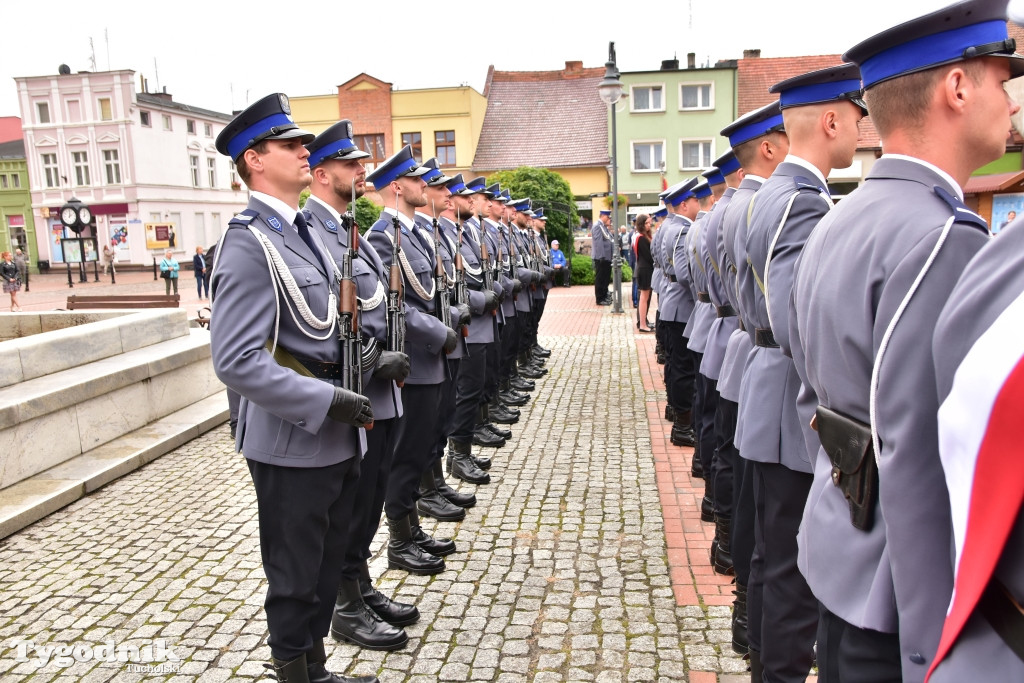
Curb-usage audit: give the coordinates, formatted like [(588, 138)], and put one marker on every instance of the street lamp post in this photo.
[(610, 90)]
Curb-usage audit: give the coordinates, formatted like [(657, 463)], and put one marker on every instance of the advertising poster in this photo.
[(72, 249), (1005, 208), (160, 235), (56, 237)]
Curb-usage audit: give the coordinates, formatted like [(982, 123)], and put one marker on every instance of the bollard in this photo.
[(154, 269), (83, 274), (95, 271), (70, 284), (113, 281), (26, 276)]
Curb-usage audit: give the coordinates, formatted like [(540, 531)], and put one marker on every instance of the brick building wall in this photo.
[(366, 101)]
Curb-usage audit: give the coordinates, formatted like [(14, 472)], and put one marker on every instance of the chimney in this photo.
[(573, 67), (691, 60), (751, 54), (669, 64)]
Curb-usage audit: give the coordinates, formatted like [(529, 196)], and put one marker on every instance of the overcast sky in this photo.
[(221, 55)]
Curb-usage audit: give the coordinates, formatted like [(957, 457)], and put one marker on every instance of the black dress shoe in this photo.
[(481, 462), (520, 384), (530, 373), (502, 415), (405, 553), (707, 510), (439, 547), (503, 433), (682, 435), (433, 504), (394, 612), (697, 469), (354, 622), (485, 437), (604, 302), (539, 350), (513, 399), (463, 465), (670, 413), (463, 500)]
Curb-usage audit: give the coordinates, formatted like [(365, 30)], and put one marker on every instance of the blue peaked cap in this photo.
[(334, 143), (975, 28), (833, 84), (702, 190), (680, 192), (753, 125), (266, 119), (455, 184), (400, 164)]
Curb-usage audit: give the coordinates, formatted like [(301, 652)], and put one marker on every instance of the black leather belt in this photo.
[(322, 369), (726, 311), (763, 337), (1004, 615), (704, 296), (671, 278)]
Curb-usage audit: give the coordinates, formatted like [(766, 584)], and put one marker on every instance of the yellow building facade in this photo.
[(443, 122)]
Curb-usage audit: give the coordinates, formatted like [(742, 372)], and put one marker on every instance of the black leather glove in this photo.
[(465, 316), (517, 285), (392, 365), (543, 278), (490, 301), (451, 339), (350, 408)]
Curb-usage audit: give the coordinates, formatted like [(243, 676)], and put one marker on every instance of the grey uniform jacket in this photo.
[(721, 328), (676, 302), (658, 276), (732, 250), (600, 242), (854, 273), (482, 327), (785, 210), (703, 312), (368, 272), (984, 311), (424, 333), (282, 418), (425, 224)]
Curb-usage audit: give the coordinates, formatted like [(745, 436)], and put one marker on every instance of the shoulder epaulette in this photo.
[(803, 183), (379, 226), (960, 211), (242, 219)]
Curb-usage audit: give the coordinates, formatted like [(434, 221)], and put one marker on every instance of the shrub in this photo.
[(583, 271)]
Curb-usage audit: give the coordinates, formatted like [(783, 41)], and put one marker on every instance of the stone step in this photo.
[(38, 496), (47, 420)]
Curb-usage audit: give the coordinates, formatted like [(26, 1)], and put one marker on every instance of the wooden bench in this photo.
[(80, 302)]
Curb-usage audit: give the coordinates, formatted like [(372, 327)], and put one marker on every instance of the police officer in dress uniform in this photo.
[(437, 499), (821, 111), (675, 305), (657, 281), (977, 345), (483, 332), (759, 144), (399, 182), (338, 178), (297, 427), (869, 286), (601, 255)]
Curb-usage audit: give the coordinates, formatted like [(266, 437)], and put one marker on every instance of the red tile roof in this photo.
[(992, 183), (549, 119)]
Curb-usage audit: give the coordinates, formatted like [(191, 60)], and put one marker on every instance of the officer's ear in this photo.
[(253, 159)]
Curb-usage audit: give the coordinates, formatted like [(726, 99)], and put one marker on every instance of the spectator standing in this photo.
[(169, 272), (199, 270), (644, 271), (22, 263), (106, 256), (12, 279)]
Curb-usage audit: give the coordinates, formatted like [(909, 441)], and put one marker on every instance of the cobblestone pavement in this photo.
[(563, 572)]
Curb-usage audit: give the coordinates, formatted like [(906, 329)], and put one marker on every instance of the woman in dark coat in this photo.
[(644, 270)]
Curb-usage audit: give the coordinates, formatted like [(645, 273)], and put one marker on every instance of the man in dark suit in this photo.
[(277, 347)]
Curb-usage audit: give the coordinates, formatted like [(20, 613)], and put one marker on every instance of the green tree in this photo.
[(367, 214), (549, 190)]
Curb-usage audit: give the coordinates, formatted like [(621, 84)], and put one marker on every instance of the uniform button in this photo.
[(917, 658), (301, 423), (307, 279)]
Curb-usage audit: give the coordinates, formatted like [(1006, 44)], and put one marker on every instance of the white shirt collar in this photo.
[(406, 222), (803, 163), (754, 177), (278, 206), (942, 174), (330, 209)]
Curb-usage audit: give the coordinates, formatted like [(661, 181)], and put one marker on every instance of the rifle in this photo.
[(461, 295), (512, 259), (485, 261), (442, 305), (396, 315), (348, 307)]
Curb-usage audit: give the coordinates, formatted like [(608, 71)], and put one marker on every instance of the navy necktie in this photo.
[(303, 228)]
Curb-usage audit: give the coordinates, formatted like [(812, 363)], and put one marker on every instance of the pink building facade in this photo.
[(144, 164)]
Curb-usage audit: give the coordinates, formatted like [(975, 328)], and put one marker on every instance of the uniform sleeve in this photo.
[(244, 322), (425, 330), (476, 301)]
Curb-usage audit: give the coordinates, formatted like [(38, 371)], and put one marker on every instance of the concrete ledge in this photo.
[(33, 499)]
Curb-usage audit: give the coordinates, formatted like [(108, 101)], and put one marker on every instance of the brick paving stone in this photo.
[(573, 566)]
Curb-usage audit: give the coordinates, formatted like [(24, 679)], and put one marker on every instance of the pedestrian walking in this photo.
[(169, 272), (11, 278), (107, 257)]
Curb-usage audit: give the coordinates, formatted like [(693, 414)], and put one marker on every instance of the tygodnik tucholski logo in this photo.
[(141, 656)]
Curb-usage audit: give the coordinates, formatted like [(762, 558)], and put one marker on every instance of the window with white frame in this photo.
[(696, 96), (695, 154), (211, 171), (647, 98), (208, 129), (648, 156), (80, 160), (16, 180), (106, 110), (167, 122), (190, 126), (50, 171), (3, 181), (43, 112), (193, 163), (144, 118), (112, 166)]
